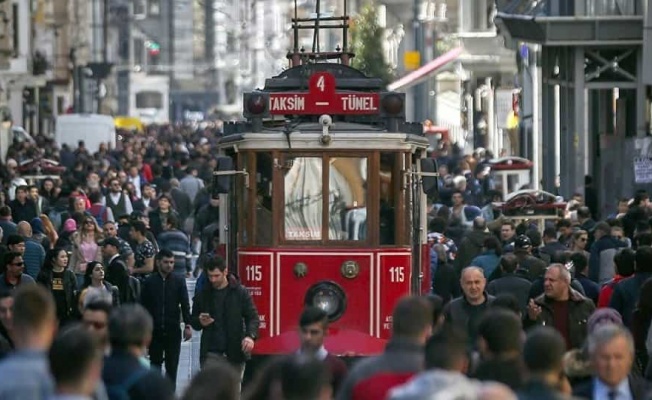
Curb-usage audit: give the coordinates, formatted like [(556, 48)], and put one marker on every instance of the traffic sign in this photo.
[(322, 98)]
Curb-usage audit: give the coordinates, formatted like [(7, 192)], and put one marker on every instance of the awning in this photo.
[(425, 71)]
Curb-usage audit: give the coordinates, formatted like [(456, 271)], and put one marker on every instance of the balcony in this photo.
[(573, 22), (485, 53)]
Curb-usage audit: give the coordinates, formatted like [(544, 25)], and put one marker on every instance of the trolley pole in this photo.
[(418, 89)]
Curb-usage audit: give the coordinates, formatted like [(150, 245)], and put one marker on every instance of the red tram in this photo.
[(323, 194)]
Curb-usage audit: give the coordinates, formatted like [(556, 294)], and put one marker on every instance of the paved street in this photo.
[(189, 359)]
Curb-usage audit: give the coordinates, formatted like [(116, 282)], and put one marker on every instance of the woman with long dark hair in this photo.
[(94, 277), (61, 281)]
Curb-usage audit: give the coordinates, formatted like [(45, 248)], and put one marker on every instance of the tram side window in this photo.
[(387, 199), (264, 170), (347, 198), (303, 198)]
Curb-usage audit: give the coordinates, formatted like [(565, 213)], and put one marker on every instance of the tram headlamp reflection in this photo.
[(329, 297)]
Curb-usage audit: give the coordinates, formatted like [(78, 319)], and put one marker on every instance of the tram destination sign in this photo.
[(322, 98)]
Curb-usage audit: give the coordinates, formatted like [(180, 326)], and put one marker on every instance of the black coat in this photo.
[(118, 275), (240, 318), (44, 277), (166, 300), (580, 309)]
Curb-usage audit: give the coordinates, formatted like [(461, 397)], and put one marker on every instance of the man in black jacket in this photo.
[(466, 311), (225, 313), (117, 272), (165, 296), (511, 281)]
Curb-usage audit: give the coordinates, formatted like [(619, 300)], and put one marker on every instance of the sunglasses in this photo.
[(20, 264)]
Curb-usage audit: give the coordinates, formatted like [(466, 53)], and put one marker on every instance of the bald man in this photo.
[(34, 254), (466, 311)]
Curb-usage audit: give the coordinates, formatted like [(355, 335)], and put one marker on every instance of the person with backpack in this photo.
[(124, 376), (117, 272)]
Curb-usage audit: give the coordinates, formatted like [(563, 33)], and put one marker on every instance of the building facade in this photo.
[(590, 93)]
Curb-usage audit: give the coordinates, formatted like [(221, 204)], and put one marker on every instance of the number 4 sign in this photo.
[(322, 89)]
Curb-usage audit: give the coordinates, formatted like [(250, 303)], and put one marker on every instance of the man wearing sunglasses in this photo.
[(14, 275)]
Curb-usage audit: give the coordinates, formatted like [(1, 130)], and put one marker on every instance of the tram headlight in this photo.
[(392, 104), (329, 297), (256, 104)]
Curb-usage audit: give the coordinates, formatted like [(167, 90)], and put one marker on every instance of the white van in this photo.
[(93, 129)]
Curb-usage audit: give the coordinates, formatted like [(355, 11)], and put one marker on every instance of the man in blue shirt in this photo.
[(25, 373)]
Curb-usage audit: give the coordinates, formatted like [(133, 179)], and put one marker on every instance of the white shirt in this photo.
[(601, 391)]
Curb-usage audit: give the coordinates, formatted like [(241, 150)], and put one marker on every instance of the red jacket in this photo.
[(373, 378), (607, 290)]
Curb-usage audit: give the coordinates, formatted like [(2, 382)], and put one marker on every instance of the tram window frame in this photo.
[(368, 200), (280, 198), (372, 187), (245, 219), (254, 183), (400, 199)]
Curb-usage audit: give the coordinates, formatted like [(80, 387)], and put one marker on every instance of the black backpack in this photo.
[(133, 295)]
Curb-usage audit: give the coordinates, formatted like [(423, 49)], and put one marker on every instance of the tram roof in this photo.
[(306, 137)]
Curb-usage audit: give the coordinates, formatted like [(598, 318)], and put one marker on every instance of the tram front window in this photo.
[(347, 198), (303, 198)]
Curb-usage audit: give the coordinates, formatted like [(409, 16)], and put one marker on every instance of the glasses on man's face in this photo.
[(18, 264), (583, 239)]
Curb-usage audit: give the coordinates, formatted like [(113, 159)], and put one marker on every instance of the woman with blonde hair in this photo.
[(85, 247)]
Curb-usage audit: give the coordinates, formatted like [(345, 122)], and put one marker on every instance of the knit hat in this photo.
[(603, 316), (70, 225), (37, 226)]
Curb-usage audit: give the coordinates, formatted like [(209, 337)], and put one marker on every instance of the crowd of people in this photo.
[(94, 302)]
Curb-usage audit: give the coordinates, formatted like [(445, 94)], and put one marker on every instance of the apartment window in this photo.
[(149, 99), (14, 12), (139, 51), (154, 7), (230, 42), (139, 8)]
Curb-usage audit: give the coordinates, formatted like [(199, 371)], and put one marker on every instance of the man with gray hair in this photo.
[(466, 311), (130, 333), (561, 307), (611, 352)]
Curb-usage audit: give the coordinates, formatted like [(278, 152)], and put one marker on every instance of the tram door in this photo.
[(223, 184)]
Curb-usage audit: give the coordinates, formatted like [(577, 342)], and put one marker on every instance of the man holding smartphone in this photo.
[(225, 313)]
